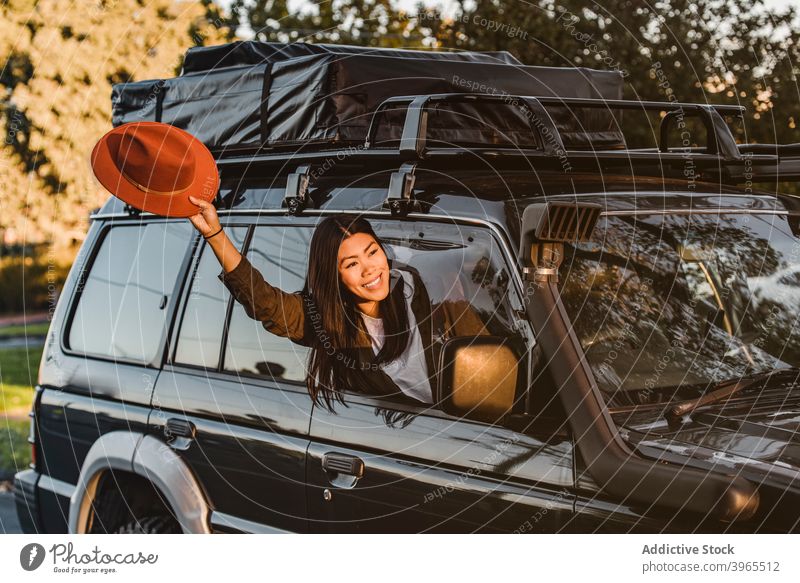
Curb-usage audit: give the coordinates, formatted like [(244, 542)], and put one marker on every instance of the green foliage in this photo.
[(717, 51), (375, 23), (57, 67), (18, 371), (19, 368), (30, 283), (15, 451), (38, 329)]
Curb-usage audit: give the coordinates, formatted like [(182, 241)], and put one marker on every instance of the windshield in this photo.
[(666, 305)]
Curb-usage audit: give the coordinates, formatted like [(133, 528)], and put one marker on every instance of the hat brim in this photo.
[(204, 184)]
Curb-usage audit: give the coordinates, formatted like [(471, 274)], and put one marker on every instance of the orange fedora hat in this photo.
[(155, 167)]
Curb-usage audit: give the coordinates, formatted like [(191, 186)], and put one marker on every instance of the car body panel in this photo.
[(255, 468)]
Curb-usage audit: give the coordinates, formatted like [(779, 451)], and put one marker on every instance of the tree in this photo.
[(715, 51), (57, 66), (375, 23)]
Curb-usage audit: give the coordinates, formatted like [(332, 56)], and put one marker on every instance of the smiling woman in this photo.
[(364, 272)]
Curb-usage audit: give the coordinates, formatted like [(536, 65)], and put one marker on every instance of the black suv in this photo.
[(639, 374)]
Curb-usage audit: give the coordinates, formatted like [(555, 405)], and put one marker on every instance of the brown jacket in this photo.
[(284, 314)]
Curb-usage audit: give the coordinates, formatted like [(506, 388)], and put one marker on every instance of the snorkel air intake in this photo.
[(613, 466)]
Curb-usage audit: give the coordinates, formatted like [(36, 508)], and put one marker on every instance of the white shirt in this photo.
[(410, 370)]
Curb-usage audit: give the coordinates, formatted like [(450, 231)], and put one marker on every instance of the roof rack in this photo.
[(784, 162), (721, 157), (413, 143)]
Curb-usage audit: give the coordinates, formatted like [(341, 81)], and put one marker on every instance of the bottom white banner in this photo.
[(393, 558)]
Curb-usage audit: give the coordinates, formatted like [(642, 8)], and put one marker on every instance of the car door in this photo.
[(394, 466), (239, 391)]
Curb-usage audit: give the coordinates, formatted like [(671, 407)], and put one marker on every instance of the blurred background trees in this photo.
[(60, 59), (716, 51)]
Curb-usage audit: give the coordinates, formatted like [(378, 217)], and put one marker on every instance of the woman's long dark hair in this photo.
[(333, 318)]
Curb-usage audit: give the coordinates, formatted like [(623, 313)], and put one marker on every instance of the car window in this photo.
[(281, 255), (463, 273), (121, 311), (666, 305), (200, 335)]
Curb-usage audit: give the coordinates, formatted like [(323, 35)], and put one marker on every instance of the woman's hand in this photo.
[(206, 220)]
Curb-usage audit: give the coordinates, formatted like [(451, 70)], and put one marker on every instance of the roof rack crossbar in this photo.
[(719, 138), (769, 163)]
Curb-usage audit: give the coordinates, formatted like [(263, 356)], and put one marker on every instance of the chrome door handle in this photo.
[(340, 463), (179, 433)]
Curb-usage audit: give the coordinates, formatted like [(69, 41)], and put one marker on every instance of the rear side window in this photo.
[(201, 329), (281, 255), (122, 308)]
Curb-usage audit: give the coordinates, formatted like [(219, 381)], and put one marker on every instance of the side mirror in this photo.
[(480, 377)]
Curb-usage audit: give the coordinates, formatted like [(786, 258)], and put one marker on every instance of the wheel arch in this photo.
[(150, 458)]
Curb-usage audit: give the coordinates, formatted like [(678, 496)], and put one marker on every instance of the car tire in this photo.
[(151, 525)]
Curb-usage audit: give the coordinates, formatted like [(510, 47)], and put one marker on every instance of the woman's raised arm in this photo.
[(280, 312), (207, 222)]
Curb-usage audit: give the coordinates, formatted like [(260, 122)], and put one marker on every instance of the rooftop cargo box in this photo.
[(254, 53), (249, 96)]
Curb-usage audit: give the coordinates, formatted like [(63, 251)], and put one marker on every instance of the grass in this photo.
[(15, 451), (39, 329), (18, 370)]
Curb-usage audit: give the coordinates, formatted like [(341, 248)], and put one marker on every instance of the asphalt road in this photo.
[(8, 514), (22, 342)]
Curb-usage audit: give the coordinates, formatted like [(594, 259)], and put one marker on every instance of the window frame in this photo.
[(267, 219), (83, 273), (280, 218), (231, 301), (522, 323), (197, 255)]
